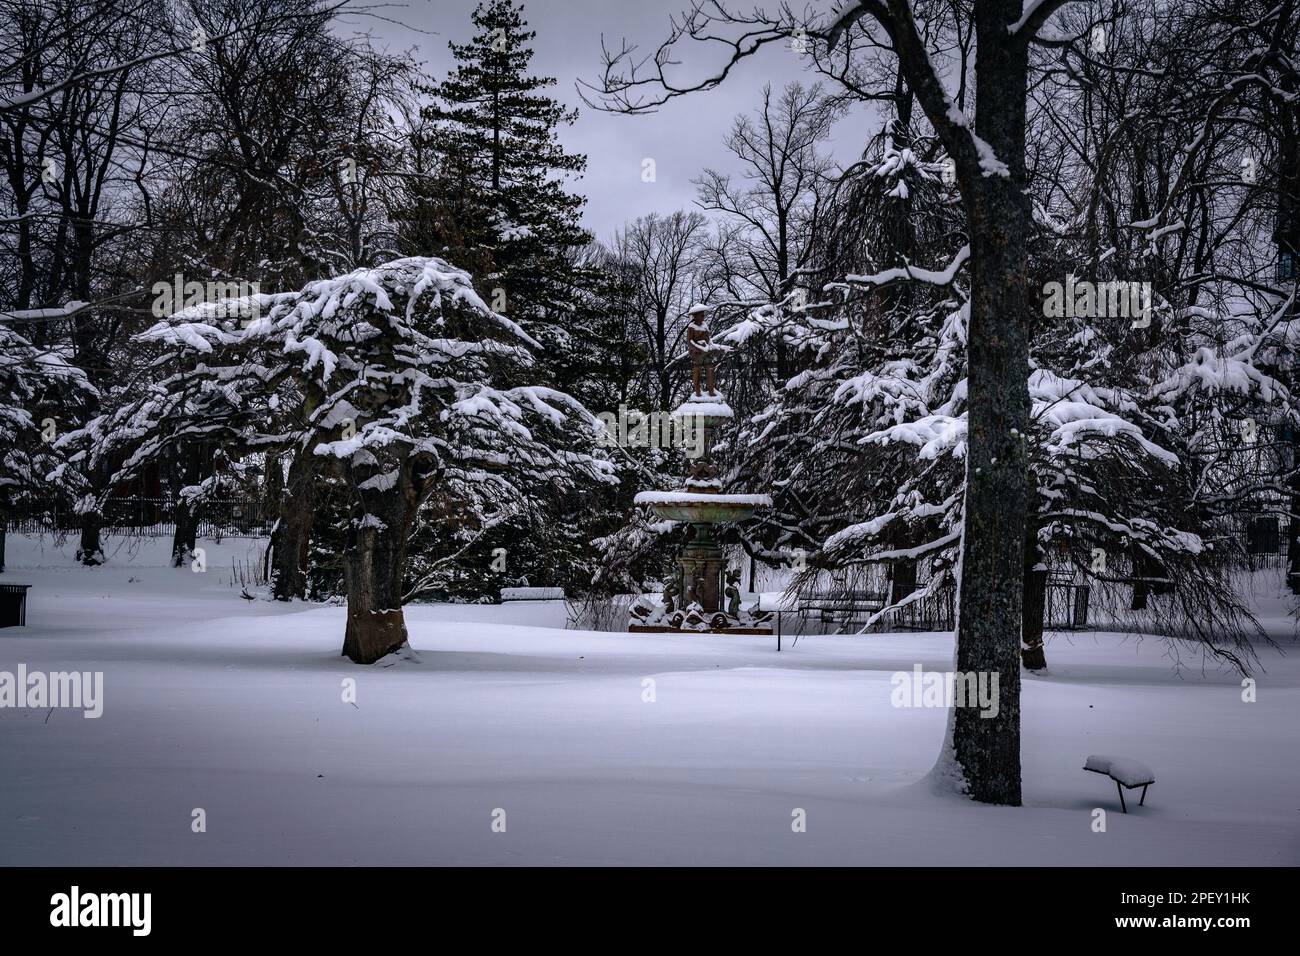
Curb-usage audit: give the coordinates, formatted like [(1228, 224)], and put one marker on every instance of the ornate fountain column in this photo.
[(697, 600)]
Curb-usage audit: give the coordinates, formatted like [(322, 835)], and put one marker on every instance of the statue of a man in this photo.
[(699, 343)]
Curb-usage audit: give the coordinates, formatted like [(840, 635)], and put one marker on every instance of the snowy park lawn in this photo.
[(237, 708)]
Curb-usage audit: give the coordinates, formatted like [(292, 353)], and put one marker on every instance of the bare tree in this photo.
[(663, 253), (772, 211)]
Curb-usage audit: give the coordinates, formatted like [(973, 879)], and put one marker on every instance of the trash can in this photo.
[(13, 605)]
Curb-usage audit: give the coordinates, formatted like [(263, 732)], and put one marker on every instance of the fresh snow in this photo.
[(235, 707), (688, 497), (532, 594), (1131, 773), (692, 408)]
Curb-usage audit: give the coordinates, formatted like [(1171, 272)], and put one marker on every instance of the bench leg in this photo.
[(1144, 794), (1120, 788)]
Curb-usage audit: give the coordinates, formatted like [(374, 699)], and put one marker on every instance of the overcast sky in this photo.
[(683, 137)]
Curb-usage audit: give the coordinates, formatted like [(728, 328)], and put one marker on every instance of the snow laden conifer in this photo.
[(394, 382), (499, 203), (40, 391), (866, 445), (497, 199)]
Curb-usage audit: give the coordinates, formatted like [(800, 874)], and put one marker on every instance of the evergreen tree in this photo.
[(403, 387), (40, 390), (496, 203)]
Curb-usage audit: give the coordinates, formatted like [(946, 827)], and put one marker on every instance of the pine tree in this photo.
[(497, 204), (40, 392)]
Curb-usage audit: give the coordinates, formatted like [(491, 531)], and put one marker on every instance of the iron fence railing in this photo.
[(147, 517)]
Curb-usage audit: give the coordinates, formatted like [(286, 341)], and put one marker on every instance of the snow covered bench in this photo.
[(1125, 773), (841, 607), (532, 594)]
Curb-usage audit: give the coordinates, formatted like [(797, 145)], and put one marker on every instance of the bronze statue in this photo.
[(699, 343), (703, 472), (696, 593), (732, 591), (671, 591)]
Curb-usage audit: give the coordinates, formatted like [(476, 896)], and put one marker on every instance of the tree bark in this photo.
[(1142, 569), (374, 562), (904, 580), (372, 572), (374, 565), (987, 748), (185, 537)]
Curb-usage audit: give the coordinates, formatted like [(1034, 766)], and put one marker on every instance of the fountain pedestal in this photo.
[(703, 563)]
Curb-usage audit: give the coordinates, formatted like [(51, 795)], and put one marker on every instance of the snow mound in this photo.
[(694, 408), (687, 498)]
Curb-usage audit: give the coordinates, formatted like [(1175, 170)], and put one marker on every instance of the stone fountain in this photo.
[(704, 596)]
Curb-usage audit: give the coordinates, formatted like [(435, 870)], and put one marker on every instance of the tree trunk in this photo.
[(1033, 655), (185, 537), (289, 538), (904, 580), (1141, 587), (987, 748), (90, 551), (374, 561)]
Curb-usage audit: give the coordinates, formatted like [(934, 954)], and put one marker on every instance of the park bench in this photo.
[(840, 608), (532, 594), (1125, 772), (13, 605)]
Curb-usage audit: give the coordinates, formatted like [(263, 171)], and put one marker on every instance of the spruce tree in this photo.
[(496, 202)]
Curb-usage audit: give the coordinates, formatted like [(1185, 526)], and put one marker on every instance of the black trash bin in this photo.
[(13, 605)]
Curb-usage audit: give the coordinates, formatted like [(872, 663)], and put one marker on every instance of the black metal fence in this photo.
[(1065, 606), (147, 517)]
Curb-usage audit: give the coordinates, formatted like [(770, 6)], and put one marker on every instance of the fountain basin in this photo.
[(702, 508)]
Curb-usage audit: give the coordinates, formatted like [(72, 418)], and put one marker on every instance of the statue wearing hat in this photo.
[(699, 343)]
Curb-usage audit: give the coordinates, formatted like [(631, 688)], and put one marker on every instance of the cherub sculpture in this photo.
[(732, 592)]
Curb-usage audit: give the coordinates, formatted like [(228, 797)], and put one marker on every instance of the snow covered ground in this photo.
[(237, 708)]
